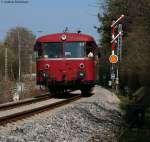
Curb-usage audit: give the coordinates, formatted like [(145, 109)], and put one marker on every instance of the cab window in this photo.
[(52, 50), (90, 49), (74, 49)]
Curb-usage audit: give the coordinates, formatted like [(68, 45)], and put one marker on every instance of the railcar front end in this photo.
[(66, 61)]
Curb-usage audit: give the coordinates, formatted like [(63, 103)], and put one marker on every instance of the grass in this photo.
[(123, 102), (135, 134), (138, 134)]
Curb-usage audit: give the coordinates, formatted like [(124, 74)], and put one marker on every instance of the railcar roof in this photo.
[(70, 37)]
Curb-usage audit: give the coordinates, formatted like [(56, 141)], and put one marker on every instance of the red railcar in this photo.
[(65, 61)]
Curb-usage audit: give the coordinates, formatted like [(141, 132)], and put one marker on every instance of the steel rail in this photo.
[(11, 105), (27, 113)]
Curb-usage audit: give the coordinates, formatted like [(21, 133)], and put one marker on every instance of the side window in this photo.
[(90, 49), (35, 55), (38, 52)]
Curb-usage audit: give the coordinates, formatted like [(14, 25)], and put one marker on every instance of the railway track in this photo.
[(20, 110), (11, 105)]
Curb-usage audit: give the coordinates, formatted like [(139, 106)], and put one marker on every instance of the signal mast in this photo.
[(116, 44)]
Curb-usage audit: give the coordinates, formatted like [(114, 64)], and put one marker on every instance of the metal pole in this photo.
[(117, 81), (114, 67), (113, 36), (31, 66), (19, 58), (113, 44), (119, 54), (120, 37), (19, 84), (118, 45), (6, 64)]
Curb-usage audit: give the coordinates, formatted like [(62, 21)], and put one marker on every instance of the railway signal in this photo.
[(115, 22), (113, 59), (113, 26), (116, 49)]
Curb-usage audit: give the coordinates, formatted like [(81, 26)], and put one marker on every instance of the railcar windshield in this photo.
[(74, 49), (52, 50), (66, 49)]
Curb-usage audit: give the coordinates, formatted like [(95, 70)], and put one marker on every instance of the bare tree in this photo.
[(20, 40), (10, 61)]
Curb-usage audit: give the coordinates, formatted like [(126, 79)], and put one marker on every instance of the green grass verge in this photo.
[(138, 134), (123, 102), (135, 134)]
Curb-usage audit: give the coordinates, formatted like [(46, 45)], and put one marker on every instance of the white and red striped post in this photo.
[(113, 36)]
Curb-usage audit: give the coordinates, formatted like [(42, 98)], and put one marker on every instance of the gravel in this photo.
[(94, 119)]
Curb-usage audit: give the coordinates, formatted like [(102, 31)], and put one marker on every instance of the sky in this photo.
[(49, 16)]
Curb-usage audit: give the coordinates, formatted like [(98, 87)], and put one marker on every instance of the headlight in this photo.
[(81, 74), (46, 66), (82, 66)]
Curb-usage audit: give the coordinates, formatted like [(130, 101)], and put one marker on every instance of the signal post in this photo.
[(116, 52)]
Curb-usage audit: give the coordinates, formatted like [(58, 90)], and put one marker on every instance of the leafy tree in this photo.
[(135, 67)]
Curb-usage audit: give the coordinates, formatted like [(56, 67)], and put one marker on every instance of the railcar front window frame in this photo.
[(64, 49)]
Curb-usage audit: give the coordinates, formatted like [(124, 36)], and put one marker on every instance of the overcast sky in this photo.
[(50, 16)]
